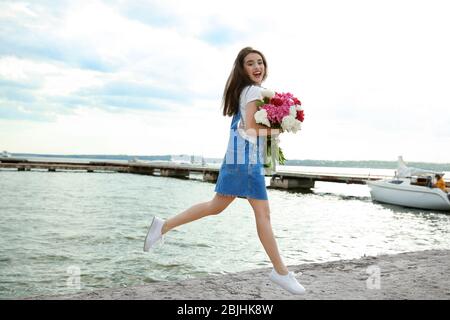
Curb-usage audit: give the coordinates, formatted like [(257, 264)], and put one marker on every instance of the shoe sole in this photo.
[(279, 285), (146, 237), (294, 293)]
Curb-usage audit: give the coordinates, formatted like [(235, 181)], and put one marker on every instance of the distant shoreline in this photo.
[(373, 164)]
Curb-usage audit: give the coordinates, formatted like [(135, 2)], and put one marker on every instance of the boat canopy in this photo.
[(403, 171)]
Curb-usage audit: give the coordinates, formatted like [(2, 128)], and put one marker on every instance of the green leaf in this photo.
[(259, 103), (281, 158)]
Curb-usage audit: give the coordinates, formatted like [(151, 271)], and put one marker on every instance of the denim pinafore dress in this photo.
[(242, 171)]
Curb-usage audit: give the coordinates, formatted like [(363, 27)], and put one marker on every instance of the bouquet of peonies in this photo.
[(278, 111)]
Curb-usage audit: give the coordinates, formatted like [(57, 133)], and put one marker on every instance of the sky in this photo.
[(147, 77)]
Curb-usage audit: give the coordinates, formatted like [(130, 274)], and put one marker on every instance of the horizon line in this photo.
[(211, 157)]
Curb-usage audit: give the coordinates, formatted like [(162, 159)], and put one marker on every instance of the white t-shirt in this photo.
[(248, 94)]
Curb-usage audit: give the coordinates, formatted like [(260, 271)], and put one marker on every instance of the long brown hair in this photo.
[(237, 81)]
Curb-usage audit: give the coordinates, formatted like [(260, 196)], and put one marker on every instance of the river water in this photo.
[(69, 232)]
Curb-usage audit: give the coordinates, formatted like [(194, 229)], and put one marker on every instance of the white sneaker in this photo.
[(287, 282), (154, 233)]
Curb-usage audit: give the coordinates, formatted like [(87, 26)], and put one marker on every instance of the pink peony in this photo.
[(276, 101), (275, 114)]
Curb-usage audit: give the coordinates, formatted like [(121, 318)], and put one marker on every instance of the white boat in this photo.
[(410, 188)]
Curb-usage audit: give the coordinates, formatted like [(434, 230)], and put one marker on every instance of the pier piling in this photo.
[(177, 173), (209, 176), (281, 182)]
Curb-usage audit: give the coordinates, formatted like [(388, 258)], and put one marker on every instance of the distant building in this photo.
[(5, 154), (182, 158)]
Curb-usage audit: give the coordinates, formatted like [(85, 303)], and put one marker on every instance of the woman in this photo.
[(440, 183), (242, 172)]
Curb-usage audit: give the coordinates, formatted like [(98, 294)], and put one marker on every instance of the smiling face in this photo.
[(254, 67)]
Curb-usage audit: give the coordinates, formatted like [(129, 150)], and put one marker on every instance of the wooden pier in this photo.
[(280, 180)]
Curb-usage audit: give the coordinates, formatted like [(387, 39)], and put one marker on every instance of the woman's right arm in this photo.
[(251, 127)]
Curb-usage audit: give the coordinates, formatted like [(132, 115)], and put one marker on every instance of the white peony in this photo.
[(290, 124), (261, 117), (293, 111), (267, 93)]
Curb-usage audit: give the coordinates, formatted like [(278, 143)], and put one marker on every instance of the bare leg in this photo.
[(265, 233), (200, 210)]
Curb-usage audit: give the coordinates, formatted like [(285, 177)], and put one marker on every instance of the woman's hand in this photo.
[(253, 128)]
